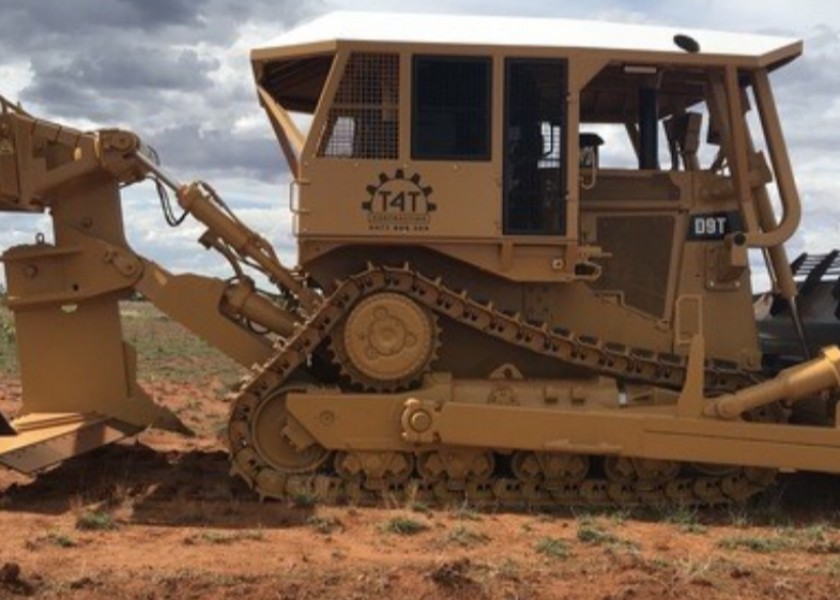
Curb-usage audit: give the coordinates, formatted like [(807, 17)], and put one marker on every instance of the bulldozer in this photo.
[(523, 271)]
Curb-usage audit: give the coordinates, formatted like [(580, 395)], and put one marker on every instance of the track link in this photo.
[(614, 360)]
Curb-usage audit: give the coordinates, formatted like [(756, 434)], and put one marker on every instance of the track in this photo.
[(489, 475)]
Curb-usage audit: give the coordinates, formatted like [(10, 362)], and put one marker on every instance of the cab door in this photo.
[(534, 146)]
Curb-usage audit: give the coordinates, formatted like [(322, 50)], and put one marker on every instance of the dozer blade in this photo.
[(41, 440)]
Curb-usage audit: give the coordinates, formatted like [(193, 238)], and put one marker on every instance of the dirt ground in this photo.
[(158, 518)]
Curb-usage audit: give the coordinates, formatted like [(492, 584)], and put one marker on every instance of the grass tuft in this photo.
[(686, 519), (590, 533), (466, 513), (419, 507), (62, 540), (762, 545), (404, 526), (96, 520), (815, 539), (220, 537), (553, 548), (464, 536), (324, 525)]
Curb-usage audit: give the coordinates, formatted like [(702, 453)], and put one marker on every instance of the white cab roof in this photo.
[(527, 32)]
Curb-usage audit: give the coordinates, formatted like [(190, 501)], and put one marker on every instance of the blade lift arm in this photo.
[(227, 233), (43, 166)]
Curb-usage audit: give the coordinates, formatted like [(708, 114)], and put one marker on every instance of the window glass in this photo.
[(451, 108)]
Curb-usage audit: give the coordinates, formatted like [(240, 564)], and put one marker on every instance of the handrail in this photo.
[(785, 183)]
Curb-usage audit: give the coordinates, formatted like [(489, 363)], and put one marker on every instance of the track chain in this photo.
[(610, 359), (700, 490)]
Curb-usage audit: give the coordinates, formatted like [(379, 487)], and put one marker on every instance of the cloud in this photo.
[(100, 68), (205, 152), (84, 15), (176, 72), (147, 65)]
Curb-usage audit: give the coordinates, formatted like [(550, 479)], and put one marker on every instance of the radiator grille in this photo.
[(641, 259)]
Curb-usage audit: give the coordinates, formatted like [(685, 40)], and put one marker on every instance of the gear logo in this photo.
[(399, 203)]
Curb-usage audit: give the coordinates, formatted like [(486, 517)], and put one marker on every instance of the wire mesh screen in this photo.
[(535, 117), (363, 121), (451, 108)]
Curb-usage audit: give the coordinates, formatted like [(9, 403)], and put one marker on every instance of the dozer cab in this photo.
[(523, 270)]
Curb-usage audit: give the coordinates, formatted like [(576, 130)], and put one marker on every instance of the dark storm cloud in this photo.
[(32, 25), (27, 23), (115, 87), (154, 66), (131, 70), (201, 152)]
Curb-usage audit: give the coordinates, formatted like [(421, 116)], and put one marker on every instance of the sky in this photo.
[(177, 73)]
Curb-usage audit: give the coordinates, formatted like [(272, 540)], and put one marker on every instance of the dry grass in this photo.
[(461, 535), (401, 525), (553, 548), (96, 520), (167, 351), (8, 352), (224, 537), (325, 525)]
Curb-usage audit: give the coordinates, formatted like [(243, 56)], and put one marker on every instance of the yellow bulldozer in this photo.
[(492, 300)]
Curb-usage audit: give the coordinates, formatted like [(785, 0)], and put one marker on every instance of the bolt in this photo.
[(421, 421), (327, 417)]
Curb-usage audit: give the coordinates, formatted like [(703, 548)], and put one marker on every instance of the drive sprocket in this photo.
[(386, 343)]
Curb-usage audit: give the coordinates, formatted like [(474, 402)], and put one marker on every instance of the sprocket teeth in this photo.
[(367, 383)]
